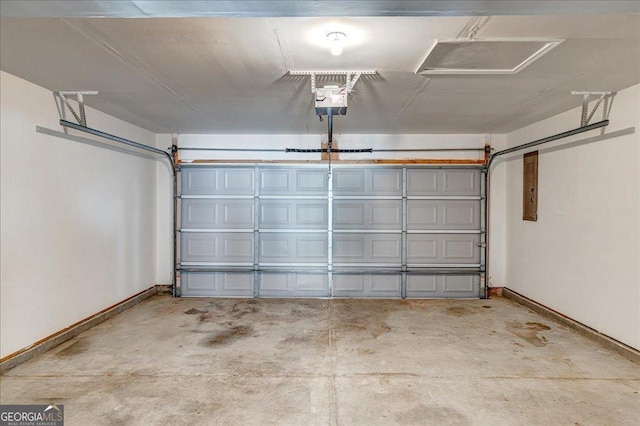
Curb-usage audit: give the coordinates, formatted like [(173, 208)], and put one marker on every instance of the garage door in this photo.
[(348, 231)]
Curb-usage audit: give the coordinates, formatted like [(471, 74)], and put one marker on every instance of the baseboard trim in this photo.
[(164, 289), (604, 340), (58, 338)]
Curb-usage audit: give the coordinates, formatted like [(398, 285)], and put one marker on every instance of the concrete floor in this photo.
[(339, 362)]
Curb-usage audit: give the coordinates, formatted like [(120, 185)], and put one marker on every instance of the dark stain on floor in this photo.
[(538, 326), (194, 311), (417, 304), (241, 309), (364, 317), (528, 332), (316, 338), (76, 348), (461, 311), (295, 339), (486, 306), (366, 351), (205, 317), (373, 326), (228, 336)]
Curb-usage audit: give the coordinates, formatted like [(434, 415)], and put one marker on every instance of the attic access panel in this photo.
[(484, 56)]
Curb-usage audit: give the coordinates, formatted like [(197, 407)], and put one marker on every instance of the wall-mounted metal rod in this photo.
[(311, 150), (230, 149), (427, 149), (114, 138), (548, 139), (148, 148), (327, 150), (487, 178)]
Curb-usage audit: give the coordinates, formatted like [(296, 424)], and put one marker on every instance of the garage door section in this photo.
[(443, 232), (367, 231), (306, 231), (254, 231), (217, 236), (292, 225)]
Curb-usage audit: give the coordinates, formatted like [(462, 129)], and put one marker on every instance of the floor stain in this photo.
[(241, 309), (205, 317), (437, 414), (316, 338), (538, 326), (486, 306), (228, 336), (374, 327), (461, 311), (216, 305), (417, 305), (528, 332), (194, 311), (76, 348), (363, 317), (294, 339)]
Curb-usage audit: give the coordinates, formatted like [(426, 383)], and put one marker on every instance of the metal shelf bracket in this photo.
[(351, 76), (599, 98), (62, 103)]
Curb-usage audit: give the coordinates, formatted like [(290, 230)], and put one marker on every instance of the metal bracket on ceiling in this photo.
[(599, 98), (62, 102), (351, 76)]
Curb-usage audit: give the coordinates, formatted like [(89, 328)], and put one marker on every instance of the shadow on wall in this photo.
[(98, 144), (612, 135)]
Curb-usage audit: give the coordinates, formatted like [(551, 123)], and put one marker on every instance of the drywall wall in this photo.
[(582, 256), (78, 220), (343, 141)]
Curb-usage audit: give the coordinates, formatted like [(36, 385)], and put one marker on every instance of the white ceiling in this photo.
[(217, 74)]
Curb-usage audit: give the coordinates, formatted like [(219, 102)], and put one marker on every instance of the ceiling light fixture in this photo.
[(336, 40)]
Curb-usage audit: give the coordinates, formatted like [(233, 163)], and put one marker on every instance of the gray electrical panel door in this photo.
[(346, 231)]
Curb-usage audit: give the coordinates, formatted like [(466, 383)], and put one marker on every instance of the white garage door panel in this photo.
[(217, 214), (442, 182), (209, 247), (367, 248), (293, 285), (433, 249), (367, 182), (302, 230), (443, 215), (367, 285), (288, 248), (287, 181), (217, 181), (443, 285), (367, 214), (293, 214), (236, 284)]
